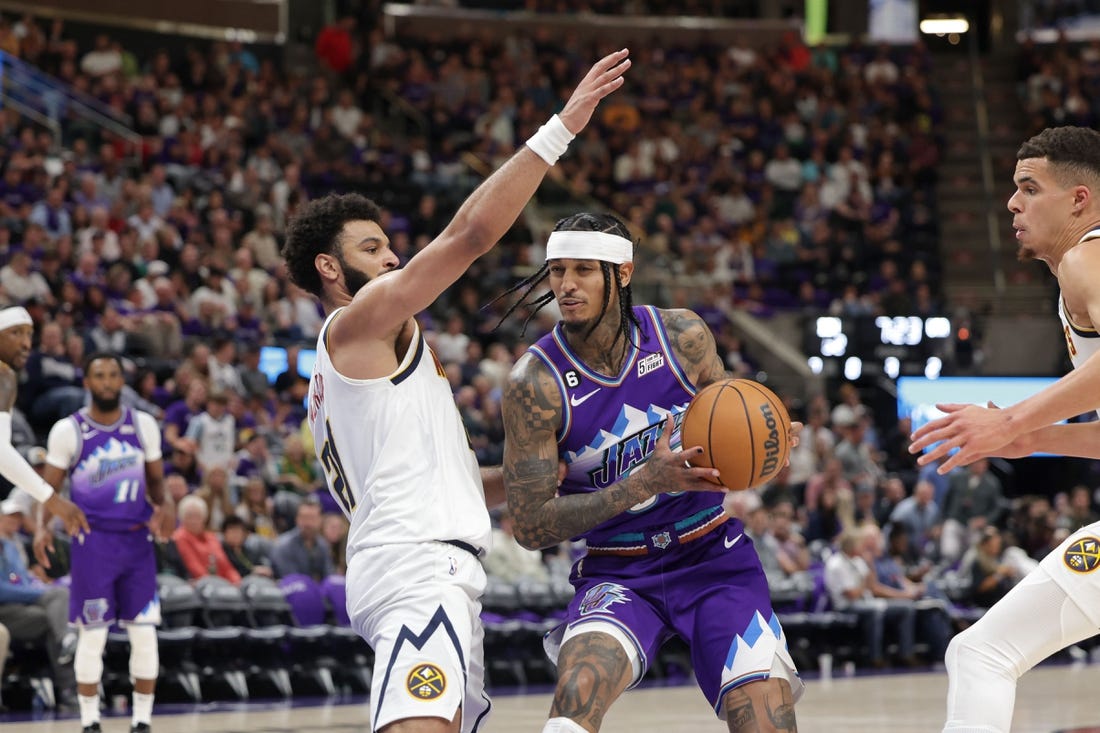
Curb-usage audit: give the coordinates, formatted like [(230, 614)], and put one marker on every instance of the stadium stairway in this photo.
[(985, 126)]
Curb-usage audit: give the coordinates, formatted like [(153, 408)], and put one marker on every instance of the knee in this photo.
[(581, 682), (969, 650)]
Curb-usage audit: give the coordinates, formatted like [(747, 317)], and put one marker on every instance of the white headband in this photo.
[(589, 246), (16, 316)]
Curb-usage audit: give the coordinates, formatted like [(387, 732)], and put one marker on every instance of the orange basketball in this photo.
[(744, 431)]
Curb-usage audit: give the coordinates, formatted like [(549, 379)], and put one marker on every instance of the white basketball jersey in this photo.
[(395, 452), (1081, 342)]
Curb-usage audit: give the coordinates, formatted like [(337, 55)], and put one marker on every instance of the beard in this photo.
[(107, 404), (1025, 253), (354, 279)]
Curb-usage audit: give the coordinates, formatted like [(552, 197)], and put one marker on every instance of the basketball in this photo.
[(744, 431)]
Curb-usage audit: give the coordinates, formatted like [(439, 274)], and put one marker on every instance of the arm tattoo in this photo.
[(532, 411), (694, 346), (9, 385)]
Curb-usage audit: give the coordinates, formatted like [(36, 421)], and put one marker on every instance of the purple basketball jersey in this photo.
[(610, 425), (107, 478)]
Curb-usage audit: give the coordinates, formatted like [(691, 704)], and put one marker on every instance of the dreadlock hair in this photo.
[(317, 231), (584, 222)]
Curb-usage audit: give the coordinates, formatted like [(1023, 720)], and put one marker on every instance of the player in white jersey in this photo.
[(1056, 214), (387, 431)]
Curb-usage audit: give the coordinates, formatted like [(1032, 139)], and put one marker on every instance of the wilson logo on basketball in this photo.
[(771, 445)]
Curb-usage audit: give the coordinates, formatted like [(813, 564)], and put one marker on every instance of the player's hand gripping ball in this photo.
[(744, 431)]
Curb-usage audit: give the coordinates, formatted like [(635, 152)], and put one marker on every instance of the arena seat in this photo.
[(266, 602), (177, 663), (223, 604), (179, 603), (305, 598), (335, 592)]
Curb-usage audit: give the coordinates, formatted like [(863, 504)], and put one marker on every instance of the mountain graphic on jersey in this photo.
[(110, 462), (108, 478), (613, 454)]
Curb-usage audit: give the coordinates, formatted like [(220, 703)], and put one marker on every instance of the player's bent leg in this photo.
[(985, 661), (763, 706), (594, 668)]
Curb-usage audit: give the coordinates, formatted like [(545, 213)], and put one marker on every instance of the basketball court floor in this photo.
[(1051, 699)]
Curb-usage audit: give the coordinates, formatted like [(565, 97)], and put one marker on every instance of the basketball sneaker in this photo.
[(140, 728), (93, 728)]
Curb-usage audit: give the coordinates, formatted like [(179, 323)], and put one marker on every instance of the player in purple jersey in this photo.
[(604, 393), (112, 458)]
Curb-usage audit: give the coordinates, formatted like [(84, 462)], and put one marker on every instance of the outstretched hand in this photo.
[(978, 432), (668, 470), (605, 76), (70, 515)]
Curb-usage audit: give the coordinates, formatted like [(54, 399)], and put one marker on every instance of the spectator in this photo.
[(334, 45), (510, 561), (31, 611), (199, 548), (21, 283), (215, 492), (257, 509), (334, 528), (246, 561), (303, 550), (853, 586), (973, 503), (214, 432)]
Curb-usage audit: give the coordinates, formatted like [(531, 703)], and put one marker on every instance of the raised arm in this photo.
[(384, 304), (532, 408)]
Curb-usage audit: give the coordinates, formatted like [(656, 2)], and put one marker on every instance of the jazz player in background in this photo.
[(1056, 214), (112, 457), (602, 393), (389, 435)]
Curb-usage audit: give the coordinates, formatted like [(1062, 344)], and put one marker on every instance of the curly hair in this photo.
[(583, 222), (1073, 152), (316, 230)]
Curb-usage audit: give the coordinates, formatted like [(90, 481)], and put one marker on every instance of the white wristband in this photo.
[(551, 140)]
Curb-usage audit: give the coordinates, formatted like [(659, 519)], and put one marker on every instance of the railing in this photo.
[(52, 102), (981, 116)]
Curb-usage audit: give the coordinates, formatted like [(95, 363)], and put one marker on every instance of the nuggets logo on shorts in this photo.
[(1083, 556), (426, 682)]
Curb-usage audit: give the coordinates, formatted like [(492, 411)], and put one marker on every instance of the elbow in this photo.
[(528, 539)]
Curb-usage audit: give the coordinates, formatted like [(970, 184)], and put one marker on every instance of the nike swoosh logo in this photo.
[(578, 401), (730, 543)]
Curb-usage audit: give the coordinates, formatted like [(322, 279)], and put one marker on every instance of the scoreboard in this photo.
[(891, 346)]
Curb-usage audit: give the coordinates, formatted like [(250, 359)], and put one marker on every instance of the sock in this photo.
[(89, 709), (143, 708)]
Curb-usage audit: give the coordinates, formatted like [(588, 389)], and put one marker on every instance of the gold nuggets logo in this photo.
[(1083, 556), (426, 682)]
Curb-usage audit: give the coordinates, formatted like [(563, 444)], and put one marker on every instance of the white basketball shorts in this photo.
[(418, 606), (1075, 566)]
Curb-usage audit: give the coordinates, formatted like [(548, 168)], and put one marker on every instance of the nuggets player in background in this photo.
[(111, 456), (604, 393), (1056, 214), (390, 437)]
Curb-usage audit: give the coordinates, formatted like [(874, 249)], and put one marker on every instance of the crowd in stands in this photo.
[(765, 179)]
